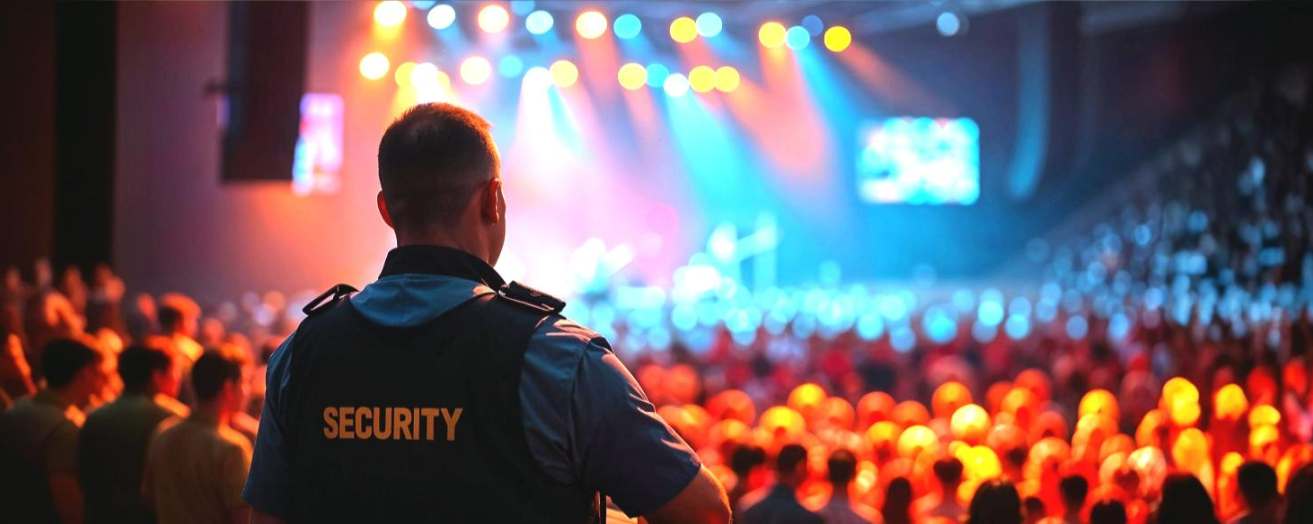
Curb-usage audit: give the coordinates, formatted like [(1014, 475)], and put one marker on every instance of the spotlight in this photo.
[(374, 65), (390, 13), (948, 23), (522, 7), (676, 85), (590, 24), (539, 22), (632, 76), (813, 24), (702, 79), (564, 73), (402, 76), (493, 18), (475, 70), (422, 75), (510, 66), (656, 75), (422, 5), (441, 16), (537, 77), (772, 34), (797, 37), (627, 26), (838, 38), (727, 79), (683, 30), (709, 24)]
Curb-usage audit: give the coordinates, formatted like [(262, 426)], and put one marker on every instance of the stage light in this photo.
[(441, 16), (510, 66), (564, 73), (422, 75), (709, 24), (539, 22), (590, 24), (493, 18), (522, 7), (948, 23), (675, 85), (632, 76), (537, 77), (656, 75), (627, 26), (772, 34), (797, 37), (390, 13), (475, 70), (683, 30), (838, 38), (702, 79), (374, 65), (813, 24), (727, 79), (402, 76)]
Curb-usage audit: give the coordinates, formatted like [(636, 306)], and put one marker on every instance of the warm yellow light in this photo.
[(494, 18), (1264, 415), (1178, 388), (1183, 412), (702, 79), (374, 65), (1101, 402), (564, 73), (632, 76), (1230, 403), (838, 38), (390, 13), (772, 34), (590, 24), (970, 423), (948, 397), (882, 434), (782, 423), (916, 440), (806, 398), (874, 406), (727, 79), (402, 75), (475, 70), (731, 403), (910, 413), (684, 30)]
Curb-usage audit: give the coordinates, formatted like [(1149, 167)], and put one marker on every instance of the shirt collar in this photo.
[(438, 260)]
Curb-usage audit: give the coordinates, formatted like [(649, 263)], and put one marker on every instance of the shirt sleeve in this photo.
[(62, 451), (235, 469), (267, 486)]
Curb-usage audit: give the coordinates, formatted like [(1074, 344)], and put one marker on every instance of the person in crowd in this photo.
[(744, 461), (779, 503), (841, 467), (39, 437), (179, 320), (1299, 496), (15, 374), (1073, 488), (112, 445), (897, 508), (1108, 511), (942, 503), (1033, 509), (995, 502), (195, 469), (1184, 501), (1258, 490)]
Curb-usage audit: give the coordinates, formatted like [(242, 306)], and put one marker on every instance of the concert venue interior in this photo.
[(1049, 240)]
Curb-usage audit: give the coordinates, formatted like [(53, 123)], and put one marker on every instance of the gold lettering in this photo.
[(345, 421), (362, 427), (330, 422), (428, 414), (403, 424), (414, 412), (383, 424), (451, 417)]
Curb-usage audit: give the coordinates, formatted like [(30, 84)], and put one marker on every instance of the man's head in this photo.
[(179, 315), (1258, 483), (791, 465), (441, 180), (841, 467), (73, 369), (949, 473), (148, 371), (219, 377), (1074, 488)]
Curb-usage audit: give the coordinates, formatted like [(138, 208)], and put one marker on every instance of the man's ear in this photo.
[(491, 203), (383, 211)]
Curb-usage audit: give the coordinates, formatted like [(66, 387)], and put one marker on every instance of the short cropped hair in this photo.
[(215, 368), (63, 358), (791, 455), (170, 317), (841, 467), (1074, 488), (948, 470), (138, 363), (431, 161), (1258, 483)]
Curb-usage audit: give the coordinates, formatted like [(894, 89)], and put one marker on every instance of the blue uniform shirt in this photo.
[(585, 418)]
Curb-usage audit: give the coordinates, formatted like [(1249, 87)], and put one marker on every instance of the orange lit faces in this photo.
[(389, 423)]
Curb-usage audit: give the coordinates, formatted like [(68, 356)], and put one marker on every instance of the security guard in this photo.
[(439, 393)]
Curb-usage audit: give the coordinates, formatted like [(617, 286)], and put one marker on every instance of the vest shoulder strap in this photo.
[(328, 299), (523, 295)]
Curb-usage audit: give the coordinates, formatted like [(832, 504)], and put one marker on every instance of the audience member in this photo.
[(1258, 490), (179, 318), (1108, 511), (15, 374), (1184, 501), (840, 509), (1032, 508), (112, 445), (942, 503), (1299, 496), (897, 508), (1074, 488), (745, 461), (995, 502), (780, 503), (196, 468)]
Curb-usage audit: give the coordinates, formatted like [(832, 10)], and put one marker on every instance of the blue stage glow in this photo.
[(797, 38), (813, 25), (539, 22), (990, 312), (709, 24), (656, 75), (422, 5), (1077, 327), (870, 326), (1017, 327), (522, 7), (627, 26), (902, 338), (983, 334), (948, 23), (938, 325), (510, 66), (920, 161)]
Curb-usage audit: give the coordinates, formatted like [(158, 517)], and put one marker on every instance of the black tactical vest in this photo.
[(420, 423)]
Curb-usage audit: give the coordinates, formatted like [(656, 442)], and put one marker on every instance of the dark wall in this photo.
[(27, 138)]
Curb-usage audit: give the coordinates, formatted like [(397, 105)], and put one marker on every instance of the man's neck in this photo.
[(211, 413), (443, 240)]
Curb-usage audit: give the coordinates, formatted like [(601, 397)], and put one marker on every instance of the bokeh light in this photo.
[(441, 16), (564, 73), (590, 24), (539, 22), (948, 23), (813, 24), (838, 38), (627, 26), (390, 13), (510, 66), (522, 7), (709, 24), (675, 84), (772, 34), (656, 75), (632, 76), (422, 76), (683, 30), (494, 18), (797, 37), (475, 70), (402, 75), (702, 79), (374, 65), (727, 79)]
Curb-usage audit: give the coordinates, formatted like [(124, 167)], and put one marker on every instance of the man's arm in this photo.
[(703, 500), (67, 495)]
